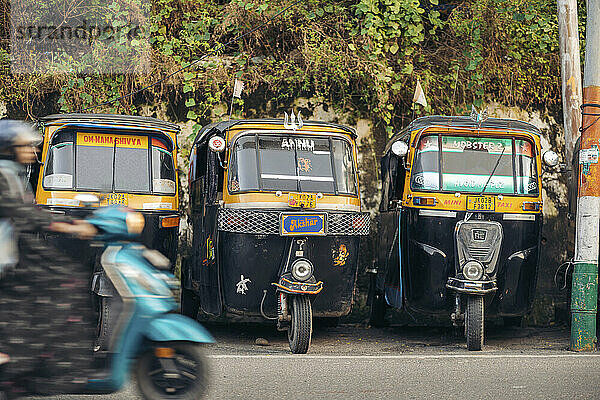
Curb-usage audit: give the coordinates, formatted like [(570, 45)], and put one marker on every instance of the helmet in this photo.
[(11, 131)]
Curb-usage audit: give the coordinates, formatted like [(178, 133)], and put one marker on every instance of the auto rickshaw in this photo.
[(130, 160), (460, 221), (121, 159), (275, 211)]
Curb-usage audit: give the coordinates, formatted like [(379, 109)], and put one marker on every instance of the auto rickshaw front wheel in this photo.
[(300, 329), (474, 319)]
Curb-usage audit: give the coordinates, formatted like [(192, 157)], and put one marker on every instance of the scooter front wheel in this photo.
[(300, 330), (173, 370)]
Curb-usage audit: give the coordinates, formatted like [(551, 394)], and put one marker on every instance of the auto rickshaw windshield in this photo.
[(292, 163), (465, 163), (109, 162)]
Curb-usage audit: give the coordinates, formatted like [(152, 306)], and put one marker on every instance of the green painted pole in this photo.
[(584, 291), (584, 297)]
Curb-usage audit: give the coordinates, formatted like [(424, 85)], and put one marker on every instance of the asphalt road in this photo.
[(351, 362)]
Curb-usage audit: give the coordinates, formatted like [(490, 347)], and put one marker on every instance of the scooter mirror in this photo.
[(550, 158), (400, 148)]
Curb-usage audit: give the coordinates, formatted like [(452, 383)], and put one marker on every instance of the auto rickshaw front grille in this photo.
[(249, 221), (348, 224), (480, 254), (267, 222), (479, 240)]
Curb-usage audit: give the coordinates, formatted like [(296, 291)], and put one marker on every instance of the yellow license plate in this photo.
[(302, 200), (481, 203), (116, 198)]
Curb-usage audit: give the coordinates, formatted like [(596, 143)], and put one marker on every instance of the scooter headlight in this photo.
[(302, 270), (473, 270)]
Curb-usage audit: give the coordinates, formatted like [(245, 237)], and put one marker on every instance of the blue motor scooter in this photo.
[(148, 335)]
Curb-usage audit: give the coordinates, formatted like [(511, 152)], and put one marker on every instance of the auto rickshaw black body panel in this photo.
[(433, 257), (153, 236), (333, 301)]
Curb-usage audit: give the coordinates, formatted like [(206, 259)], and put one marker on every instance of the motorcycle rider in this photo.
[(46, 322)]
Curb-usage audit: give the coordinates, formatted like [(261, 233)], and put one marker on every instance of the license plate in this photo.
[(481, 203), (302, 200), (302, 224), (116, 198)]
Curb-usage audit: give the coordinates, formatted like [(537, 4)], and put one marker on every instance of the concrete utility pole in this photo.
[(584, 294), (570, 72)]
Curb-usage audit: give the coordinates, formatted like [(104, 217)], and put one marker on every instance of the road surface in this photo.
[(353, 362)]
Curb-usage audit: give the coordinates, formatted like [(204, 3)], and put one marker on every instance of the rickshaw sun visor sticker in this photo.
[(104, 140), (467, 163)]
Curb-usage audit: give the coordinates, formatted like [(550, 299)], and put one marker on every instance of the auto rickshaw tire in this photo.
[(512, 321), (377, 311), (105, 323), (474, 322), (150, 386), (190, 303), (300, 329)]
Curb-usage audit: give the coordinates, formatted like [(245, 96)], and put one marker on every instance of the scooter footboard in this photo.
[(176, 327)]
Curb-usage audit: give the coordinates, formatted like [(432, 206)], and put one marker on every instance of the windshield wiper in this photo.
[(493, 171), (469, 214)]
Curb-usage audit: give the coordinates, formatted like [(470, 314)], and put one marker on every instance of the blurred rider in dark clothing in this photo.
[(46, 322)]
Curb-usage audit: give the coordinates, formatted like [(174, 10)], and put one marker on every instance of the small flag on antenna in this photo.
[(419, 96), (238, 86)]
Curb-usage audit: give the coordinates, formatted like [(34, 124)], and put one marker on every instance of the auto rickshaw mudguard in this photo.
[(176, 327), (288, 284)]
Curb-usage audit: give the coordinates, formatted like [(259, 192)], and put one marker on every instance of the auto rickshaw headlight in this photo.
[(550, 158), (473, 270), (400, 148), (135, 222), (302, 270)]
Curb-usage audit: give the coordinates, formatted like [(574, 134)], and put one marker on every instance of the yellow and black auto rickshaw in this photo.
[(127, 160), (460, 221), (277, 223), (123, 159)]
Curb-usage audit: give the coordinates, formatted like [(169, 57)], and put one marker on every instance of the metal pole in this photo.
[(570, 73), (584, 294)]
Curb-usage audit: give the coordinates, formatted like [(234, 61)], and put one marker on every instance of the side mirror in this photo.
[(400, 148), (216, 144), (550, 158)]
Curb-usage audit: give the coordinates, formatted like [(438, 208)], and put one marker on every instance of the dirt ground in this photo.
[(353, 339)]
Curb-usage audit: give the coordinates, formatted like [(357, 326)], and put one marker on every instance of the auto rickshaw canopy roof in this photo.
[(113, 119), (219, 128), (467, 122)]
